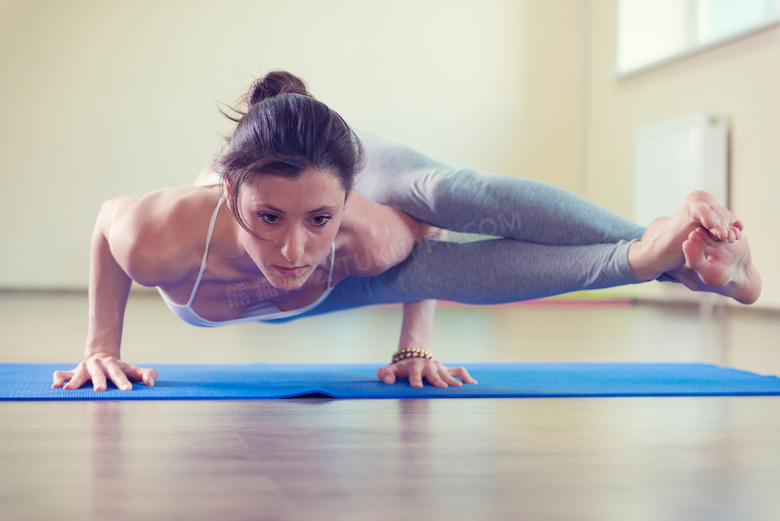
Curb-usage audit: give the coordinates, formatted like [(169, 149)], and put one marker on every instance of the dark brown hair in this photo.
[(285, 131)]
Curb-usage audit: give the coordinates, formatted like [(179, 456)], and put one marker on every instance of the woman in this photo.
[(281, 235)]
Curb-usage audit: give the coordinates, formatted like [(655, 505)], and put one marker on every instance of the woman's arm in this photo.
[(417, 333), (386, 236), (417, 325), (109, 287)]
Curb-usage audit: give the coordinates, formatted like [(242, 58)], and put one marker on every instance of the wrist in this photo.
[(92, 350), (411, 352)]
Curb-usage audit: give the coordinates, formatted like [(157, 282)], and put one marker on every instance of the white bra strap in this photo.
[(332, 262), (206, 252)]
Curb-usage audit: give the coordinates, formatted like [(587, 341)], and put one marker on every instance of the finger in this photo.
[(432, 375), (80, 377), (140, 374), (445, 375), (415, 374), (463, 374), (60, 377), (149, 377), (116, 373), (386, 374), (97, 375)]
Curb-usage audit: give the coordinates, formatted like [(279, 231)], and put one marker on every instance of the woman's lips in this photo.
[(289, 272)]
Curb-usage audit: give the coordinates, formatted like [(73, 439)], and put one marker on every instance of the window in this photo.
[(653, 32)]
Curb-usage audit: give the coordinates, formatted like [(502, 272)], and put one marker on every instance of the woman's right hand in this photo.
[(101, 366)]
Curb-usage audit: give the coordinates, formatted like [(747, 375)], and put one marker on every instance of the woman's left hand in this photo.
[(415, 369)]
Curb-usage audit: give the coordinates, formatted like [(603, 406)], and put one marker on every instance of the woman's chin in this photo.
[(286, 283)]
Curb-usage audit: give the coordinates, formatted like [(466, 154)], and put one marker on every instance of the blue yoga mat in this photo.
[(210, 382)]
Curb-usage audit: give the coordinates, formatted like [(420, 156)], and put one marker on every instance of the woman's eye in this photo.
[(321, 220), (269, 218)]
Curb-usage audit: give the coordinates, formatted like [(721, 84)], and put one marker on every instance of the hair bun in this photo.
[(273, 84)]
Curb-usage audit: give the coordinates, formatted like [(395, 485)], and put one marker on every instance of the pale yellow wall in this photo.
[(740, 79), (106, 98), (101, 98)]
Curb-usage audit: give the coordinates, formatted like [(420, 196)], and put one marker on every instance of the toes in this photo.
[(703, 237), (705, 210), (701, 209), (709, 258), (703, 214), (695, 248), (694, 251)]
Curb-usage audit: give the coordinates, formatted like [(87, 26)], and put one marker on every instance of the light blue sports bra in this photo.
[(260, 312)]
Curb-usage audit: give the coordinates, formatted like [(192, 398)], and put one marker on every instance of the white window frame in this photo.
[(692, 34)]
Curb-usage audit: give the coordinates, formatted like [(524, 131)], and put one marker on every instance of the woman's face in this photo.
[(294, 221)]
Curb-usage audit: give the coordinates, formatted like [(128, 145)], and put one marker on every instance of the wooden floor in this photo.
[(313, 458)]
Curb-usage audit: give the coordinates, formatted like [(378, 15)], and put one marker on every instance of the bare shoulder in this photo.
[(158, 238)]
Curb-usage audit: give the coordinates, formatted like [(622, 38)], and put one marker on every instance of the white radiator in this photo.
[(672, 159)]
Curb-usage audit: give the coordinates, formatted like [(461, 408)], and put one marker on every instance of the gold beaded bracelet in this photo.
[(411, 352)]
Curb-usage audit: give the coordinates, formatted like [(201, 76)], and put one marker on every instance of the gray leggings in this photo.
[(552, 241)]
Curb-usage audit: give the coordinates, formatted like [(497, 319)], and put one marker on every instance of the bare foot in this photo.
[(660, 248), (720, 267)]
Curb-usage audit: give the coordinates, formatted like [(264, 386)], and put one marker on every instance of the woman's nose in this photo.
[(292, 246)]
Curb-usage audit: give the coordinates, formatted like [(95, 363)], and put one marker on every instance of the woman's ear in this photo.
[(228, 193)]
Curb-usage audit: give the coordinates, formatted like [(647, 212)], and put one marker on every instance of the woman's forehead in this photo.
[(312, 189)]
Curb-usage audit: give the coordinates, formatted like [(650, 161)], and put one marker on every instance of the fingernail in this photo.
[(388, 380), (151, 381), (126, 387)]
